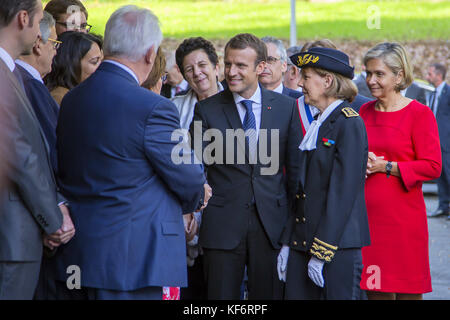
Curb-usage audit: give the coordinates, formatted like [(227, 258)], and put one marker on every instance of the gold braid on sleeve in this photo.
[(322, 250)]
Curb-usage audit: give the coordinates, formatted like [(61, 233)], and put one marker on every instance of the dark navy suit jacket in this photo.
[(359, 101), (127, 195), (291, 93), (330, 207), (46, 110), (443, 118)]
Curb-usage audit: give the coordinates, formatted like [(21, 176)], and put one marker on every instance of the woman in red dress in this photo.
[(404, 151)]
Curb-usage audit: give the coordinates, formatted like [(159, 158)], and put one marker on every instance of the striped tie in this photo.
[(249, 127)]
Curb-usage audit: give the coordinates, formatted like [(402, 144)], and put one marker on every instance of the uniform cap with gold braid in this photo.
[(324, 58)]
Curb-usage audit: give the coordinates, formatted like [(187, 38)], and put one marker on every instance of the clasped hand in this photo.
[(63, 234), (375, 164)]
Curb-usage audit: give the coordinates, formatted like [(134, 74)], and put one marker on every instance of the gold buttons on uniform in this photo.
[(304, 243), (297, 196), (297, 220), (304, 220), (294, 243), (304, 196)]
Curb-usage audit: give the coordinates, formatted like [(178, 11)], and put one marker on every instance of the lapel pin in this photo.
[(269, 108), (328, 142)]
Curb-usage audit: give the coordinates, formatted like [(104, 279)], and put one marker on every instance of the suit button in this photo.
[(294, 243), (297, 196), (304, 196), (304, 220), (304, 243), (297, 220)]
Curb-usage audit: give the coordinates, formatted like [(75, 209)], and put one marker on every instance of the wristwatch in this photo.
[(388, 168)]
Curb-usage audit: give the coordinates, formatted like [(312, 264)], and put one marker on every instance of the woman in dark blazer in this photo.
[(321, 254)]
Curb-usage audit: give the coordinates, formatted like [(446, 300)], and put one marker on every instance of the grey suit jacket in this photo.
[(417, 93), (29, 199), (363, 89)]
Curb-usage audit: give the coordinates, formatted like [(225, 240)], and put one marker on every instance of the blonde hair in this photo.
[(341, 87), (395, 57)]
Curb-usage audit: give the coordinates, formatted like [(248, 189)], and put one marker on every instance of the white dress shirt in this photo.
[(7, 59), (256, 107), (279, 89)]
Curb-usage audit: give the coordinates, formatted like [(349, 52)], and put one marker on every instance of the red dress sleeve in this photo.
[(428, 159)]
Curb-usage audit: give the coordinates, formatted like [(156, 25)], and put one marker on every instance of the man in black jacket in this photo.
[(249, 207)]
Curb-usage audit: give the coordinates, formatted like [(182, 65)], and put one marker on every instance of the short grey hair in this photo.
[(290, 52), (130, 32), (280, 46), (46, 25)]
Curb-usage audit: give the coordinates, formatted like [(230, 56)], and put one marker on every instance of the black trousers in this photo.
[(342, 276), (18, 280), (224, 269), (443, 183)]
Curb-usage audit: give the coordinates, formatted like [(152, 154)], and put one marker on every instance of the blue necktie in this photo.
[(250, 124)]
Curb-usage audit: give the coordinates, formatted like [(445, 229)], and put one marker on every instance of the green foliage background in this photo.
[(220, 19)]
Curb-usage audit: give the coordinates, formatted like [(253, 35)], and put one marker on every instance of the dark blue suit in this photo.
[(127, 196), (46, 110), (291, 93), (443, 121), (358, 102)]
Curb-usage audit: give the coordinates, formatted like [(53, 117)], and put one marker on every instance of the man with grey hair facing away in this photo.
[(276, 65), (115, 166)]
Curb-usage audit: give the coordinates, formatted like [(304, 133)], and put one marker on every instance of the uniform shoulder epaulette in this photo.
[(349, 112)]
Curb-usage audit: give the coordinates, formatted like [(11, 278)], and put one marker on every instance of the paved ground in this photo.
[(439, 241)]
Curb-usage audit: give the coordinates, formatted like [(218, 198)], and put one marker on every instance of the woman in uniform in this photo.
[(321, 253)]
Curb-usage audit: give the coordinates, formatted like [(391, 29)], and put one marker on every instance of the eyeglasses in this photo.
[(272, 60), (72, 26), (56, 43)]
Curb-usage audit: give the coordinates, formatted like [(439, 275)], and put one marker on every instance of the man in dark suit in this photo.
[(245, 216), (29, 201), (33, 69), (272, 76), (117, 168), (439, 102)]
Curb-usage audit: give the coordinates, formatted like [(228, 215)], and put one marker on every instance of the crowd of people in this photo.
[(316, 195)]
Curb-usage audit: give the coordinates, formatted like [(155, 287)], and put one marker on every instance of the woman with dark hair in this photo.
[(198, 62), (77, 58)]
